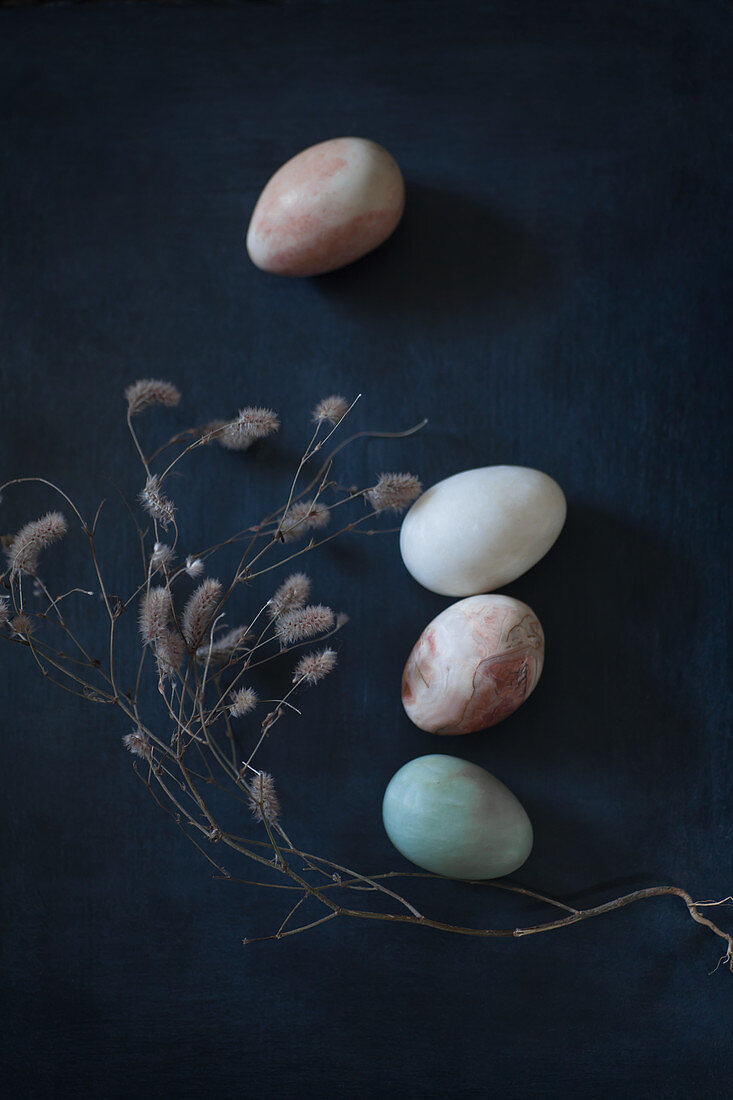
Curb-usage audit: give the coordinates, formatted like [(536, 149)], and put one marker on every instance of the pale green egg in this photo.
[(454, 818)]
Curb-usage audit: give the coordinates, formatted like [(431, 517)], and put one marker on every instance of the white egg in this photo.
[(481, 529), (454, 818), (326, 207)]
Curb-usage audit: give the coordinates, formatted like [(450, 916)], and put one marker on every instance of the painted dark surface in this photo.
[(557, 296)]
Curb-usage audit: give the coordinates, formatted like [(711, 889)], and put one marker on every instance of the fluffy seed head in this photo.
[(170, 652), (292, 593), (150, 391), (22, 625), (212, 430), (161, 557), (332, 409), (155, 503), (4, 609), (242, 702), (199, 611), (263, 800), (314, 666), (251, 424), (194, 566), (36, 536), (302, 623), (155, 613), (304, 516), (138, 744), (225, 647), (394, 492)]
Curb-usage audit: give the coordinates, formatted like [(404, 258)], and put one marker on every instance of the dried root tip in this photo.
[(194, 566), (170, 652), (155, 503), (292, 593), (251, 424), (302, 623), (155, 613), (161, 557), (263, 800), (22, 625), (331, 409), (4, 609), (138, 744), (151, 391), (304, 516), (199, 611), (314, 666), (242, 702), (394, 492), (36, 536), (225, 647)]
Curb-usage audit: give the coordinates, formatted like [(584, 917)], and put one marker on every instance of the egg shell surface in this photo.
[(473, 665), (454, 818), (480, 529), (326, 207)]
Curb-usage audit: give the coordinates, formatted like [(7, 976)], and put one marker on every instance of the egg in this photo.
[(481, 529), (326, 207), (454, 818), (473, 665)]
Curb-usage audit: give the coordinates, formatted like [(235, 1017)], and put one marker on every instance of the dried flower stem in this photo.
[(136, 441)]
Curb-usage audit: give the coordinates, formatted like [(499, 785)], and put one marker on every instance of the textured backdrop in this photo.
[(557, 296)]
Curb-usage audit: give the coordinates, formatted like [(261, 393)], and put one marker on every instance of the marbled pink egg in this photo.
[(473, 665), (328, 206)]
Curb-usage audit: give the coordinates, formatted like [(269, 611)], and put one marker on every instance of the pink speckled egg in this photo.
[(328, 206), (473, 665)]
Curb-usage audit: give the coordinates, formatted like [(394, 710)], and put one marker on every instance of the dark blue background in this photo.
[(558, 296)]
